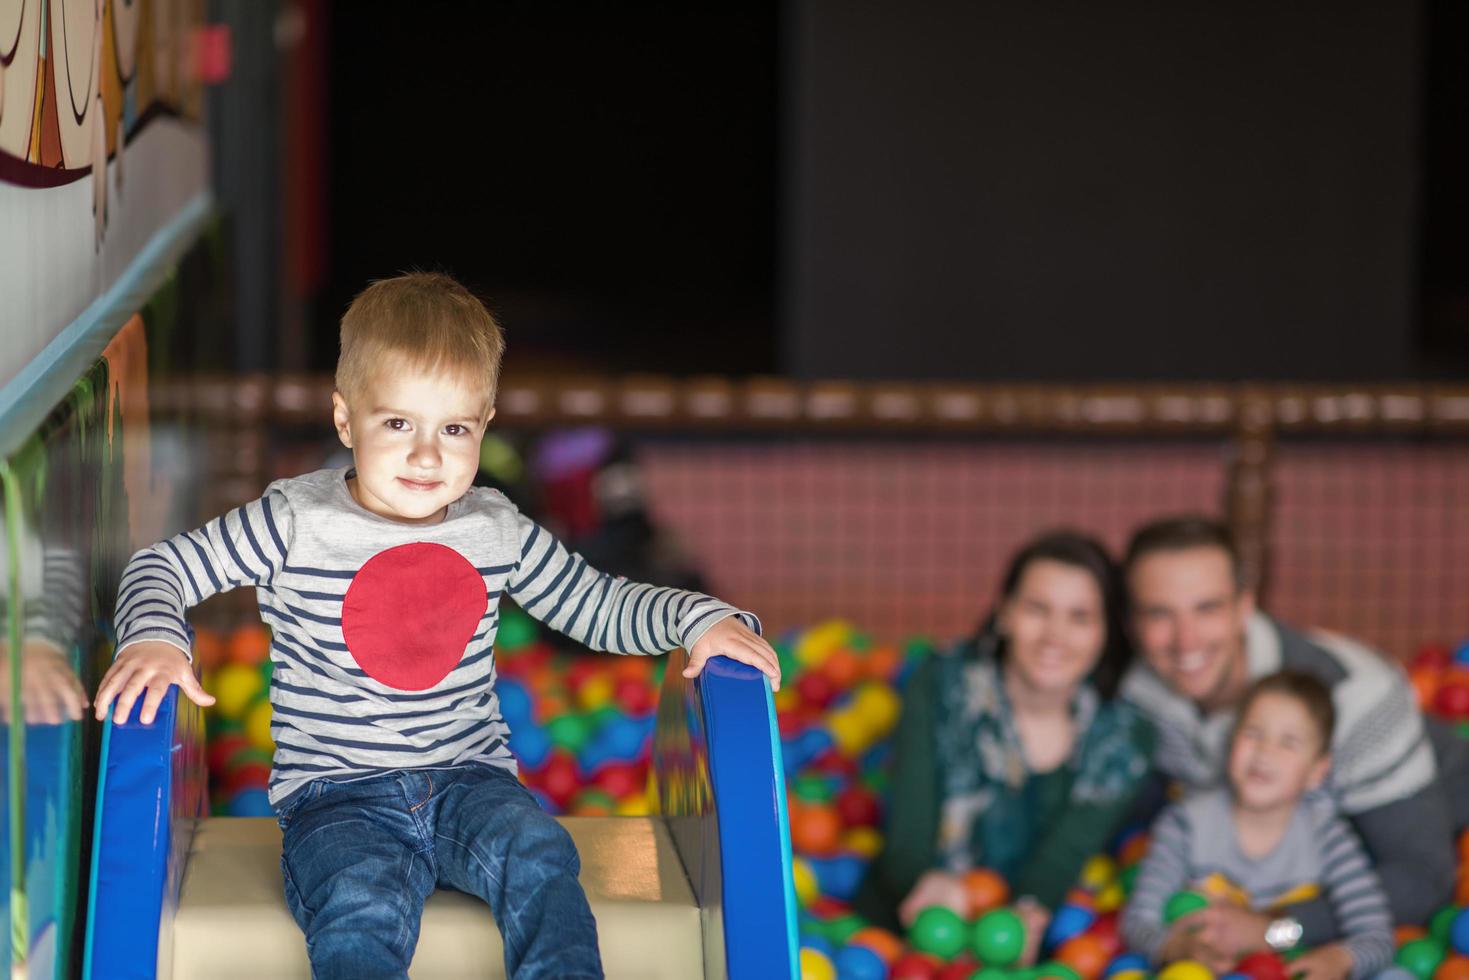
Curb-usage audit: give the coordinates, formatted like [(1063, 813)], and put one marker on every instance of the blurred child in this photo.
[(1267, 841), (382, 581)]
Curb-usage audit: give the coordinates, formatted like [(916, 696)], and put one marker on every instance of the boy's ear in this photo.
[(341, 418)]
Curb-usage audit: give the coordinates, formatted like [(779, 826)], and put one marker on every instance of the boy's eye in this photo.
[(455, 429), (396, 425)]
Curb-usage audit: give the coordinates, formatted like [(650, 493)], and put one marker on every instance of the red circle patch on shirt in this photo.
[(410, 612)]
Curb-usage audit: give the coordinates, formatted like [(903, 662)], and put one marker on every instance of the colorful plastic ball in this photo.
[(1054, 970), (1098, 871), (246, 776), (236, 686), (253, 802), (1132, 974), (858, 806), (939, 931), (1185, 970), (1441, 926), (1068, 921), (1110, 899), (593, 802), (1420, 957), (815, 965), (1183, 903), (1127, 962), (595, 692), (516, 630), (985, 890), (1235, 976), (838, 875), (1453, 967), (860, 963), (1452, 700), (257, 726), (1133, 848), (1087, 955), (208, 648), (863, 841), (248, 644), (1406, 934), (916, 966), (816, 689), (1461, 655), (962, 967), (1459, 932), (812, 788), (815, 829), (886, 945), (804, 880), (1263, 965), (222, 748), (842, 668), (999, 937), (634, 806), (515, 702), (569, 732), (990, 973), (1127, 878), (559, 778), (620, 779), (531, 744), (626, 738), (635, 695)]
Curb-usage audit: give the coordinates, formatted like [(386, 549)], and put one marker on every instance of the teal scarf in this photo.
[(986, 817)]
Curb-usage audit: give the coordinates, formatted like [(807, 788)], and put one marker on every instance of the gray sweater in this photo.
[(1194, 844)]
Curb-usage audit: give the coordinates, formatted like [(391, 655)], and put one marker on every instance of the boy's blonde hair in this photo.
[(426, 318)]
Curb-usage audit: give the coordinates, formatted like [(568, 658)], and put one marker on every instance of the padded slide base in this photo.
[(233, 922)]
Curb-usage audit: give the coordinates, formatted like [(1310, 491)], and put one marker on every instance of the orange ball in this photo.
[(1406, 934), (248, 644), (1461, 890), (883, 663), (815, 829), (1464, 848), (986, 890), (208, 648), (842, 668), (1453, 967), (1088, 955), (1134, 850), (1425, 685), (887, 946)]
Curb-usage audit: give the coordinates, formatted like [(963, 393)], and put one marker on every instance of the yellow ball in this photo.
[(633, 806), (817, 643), (257, 726), (787, 698), (866, 841), (1110, 899), (236, 686), (804, 879), (815, 965), (849, 732), (878, 705), (595, 692), (1185, 970), (1128, 975), (1098, 872)]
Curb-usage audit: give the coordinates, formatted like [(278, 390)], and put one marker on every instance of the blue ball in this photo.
[(1069, 920), (530, 743), (800, 749), (838, 876), (1459, 933), (1128, 961), (624, 738), (515, 702), (819, 943), (1246, 976), (1461, 655), (250, 803), (860, 963)]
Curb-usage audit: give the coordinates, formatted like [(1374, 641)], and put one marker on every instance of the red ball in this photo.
[(1263, 966), (1433, 656), (792, 723), (621, 779), (916, 966), (558, 778), (249, 775), (583, 669), (816, 689), (825, 907), (833, 763), (634, 695), (221, 748), (958, 968), (1453, 700), (858, 806)]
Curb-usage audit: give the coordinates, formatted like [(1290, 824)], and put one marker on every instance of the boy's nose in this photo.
[(424, 454)]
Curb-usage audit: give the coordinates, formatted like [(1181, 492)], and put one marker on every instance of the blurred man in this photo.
[(1203, 642)]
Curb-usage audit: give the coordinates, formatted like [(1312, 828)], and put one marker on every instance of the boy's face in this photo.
[(1277, 754), (415, 440)]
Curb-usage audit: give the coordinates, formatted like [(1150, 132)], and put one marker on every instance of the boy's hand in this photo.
[(1185, 942), (150, 666), (1036, 919), (733, 639), (1330, 962), (49, 690)]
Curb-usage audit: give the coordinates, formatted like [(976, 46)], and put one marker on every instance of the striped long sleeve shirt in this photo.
[(1194, 845), (383, 633)]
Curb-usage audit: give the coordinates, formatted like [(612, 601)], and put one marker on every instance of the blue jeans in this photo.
[(361, 857)]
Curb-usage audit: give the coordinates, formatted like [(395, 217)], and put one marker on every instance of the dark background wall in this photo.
[(1116, 190)]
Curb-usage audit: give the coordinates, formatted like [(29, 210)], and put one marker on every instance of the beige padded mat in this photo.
[(232, 919)]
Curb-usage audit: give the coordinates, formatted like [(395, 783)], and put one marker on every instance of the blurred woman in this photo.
[(1012, 753)]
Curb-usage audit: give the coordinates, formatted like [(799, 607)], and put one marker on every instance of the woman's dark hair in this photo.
[(1086, 553)]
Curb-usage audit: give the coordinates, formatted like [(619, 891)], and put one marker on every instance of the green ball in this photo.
[(877, 780), (860, 642), (1420, 957), (1181, 904), (1059, 971), (598, 717), (813, 789), (842, 928), (917, 647), (1127, 878), (516, 630), (1441, 926), (999, 937), (937, 930), (1462, 728), (569, 732), (990, 973)]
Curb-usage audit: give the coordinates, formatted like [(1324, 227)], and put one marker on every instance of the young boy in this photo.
[(382, 582), (1268, 840)]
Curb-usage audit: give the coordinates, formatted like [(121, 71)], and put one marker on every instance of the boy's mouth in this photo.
[(419, 484)]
